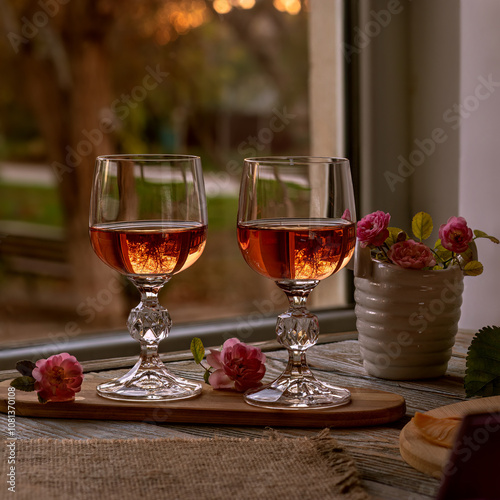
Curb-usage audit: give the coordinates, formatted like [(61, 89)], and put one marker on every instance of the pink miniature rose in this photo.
[(455, 235), (238, 366), (58, 378), (372, 229), (411, 255)]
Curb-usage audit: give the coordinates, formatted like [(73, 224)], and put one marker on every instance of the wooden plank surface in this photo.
[(385, 474)]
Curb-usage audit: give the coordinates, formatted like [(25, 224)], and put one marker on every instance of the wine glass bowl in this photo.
[(148, 221), (296, 226)]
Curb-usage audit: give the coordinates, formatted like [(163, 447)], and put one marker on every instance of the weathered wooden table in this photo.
[(375, 449)]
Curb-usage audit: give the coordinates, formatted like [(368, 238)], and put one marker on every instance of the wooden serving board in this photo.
[(431, 458), (367, 407)]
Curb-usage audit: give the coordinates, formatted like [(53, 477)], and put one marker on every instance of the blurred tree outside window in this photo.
[(223, 79)]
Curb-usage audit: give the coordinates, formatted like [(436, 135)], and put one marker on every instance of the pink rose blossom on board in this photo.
[(238, 366), (58, 378), (372, 229), (410, 254), (455, 235)]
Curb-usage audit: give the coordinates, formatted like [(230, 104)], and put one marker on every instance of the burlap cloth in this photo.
[(181, 469)]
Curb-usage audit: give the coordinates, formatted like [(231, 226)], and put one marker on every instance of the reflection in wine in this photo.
[(149, 247), (296, 249)]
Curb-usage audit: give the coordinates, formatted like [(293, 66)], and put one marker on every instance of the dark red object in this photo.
[(472, 472)]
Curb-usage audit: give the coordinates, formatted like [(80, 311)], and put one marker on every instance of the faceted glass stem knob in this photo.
[(149, 323), (297, 330)]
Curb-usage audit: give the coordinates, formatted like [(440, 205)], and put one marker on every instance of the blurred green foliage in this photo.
[(36, 204), (40, 204)]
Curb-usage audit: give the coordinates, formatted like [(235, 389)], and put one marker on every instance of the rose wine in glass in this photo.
[(148, 221), (296, 226)]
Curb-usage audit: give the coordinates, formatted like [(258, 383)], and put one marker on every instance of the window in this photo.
[(221, 79), (427, 141)]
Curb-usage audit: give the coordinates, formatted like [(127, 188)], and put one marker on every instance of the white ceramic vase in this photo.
[(406, 319)]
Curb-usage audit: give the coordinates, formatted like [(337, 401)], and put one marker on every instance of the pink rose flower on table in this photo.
[(238, 366), (455, 235), (411, 255), (58, 378), (372, 229)]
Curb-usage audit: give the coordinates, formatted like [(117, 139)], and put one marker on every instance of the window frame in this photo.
[(117, 344), (340, 132)]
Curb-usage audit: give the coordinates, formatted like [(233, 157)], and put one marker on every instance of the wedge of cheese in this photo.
[(440, 431)]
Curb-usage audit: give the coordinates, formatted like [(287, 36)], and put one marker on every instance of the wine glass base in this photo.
[(292, 393), (149, 385)]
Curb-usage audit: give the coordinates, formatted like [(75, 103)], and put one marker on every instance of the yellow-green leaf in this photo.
[(378, 256), (467, 256), (482, 234), (393, 235), (198, 350), (442, 252), (473, 268), (422, 225)]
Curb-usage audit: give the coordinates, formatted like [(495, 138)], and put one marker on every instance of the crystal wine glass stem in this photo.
[(297, 329), (149, 323), (297, 364)]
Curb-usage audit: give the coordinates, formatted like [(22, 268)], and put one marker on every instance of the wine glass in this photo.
[(148, 221), (296, 226)]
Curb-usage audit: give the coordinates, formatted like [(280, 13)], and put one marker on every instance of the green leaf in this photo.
[(394, 233), (482, 376), (198, 350), (24, 383), (442, 252), (482, 234), (205, 376), (422, 225), (467, 256), (41, 400), (25, 367), (379, 256), (473, 268)]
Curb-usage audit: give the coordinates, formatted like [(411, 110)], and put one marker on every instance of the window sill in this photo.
[(119, 344)]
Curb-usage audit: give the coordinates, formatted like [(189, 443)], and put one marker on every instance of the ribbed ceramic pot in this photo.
[(406, 319)]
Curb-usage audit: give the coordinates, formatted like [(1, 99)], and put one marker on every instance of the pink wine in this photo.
[(149, 247), (296, 249)]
